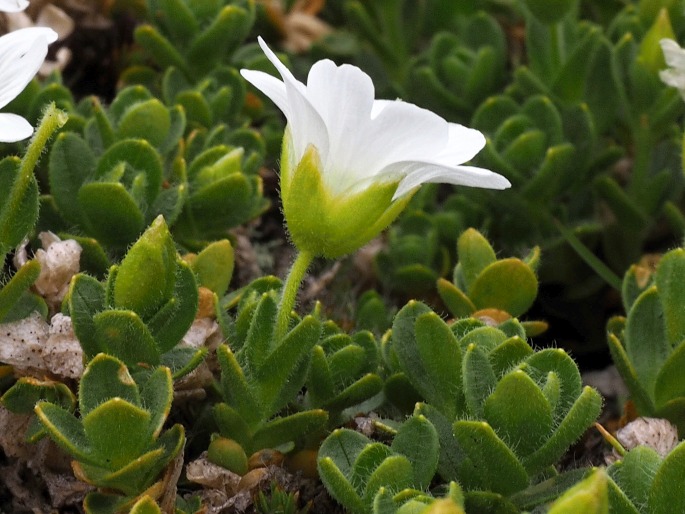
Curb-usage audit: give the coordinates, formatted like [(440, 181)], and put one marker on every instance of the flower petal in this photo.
[(673, 54), (343, 96), (306, 125), (13, 5), (13, 128), (399, 132), (270, 86), (21, 54), (462, 146), (418, 173)]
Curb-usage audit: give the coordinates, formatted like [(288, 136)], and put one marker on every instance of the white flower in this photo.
[(21, 54), (361, 140), (13, 5), (675, 58)]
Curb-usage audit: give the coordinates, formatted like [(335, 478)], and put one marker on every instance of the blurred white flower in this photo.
[(45, 15), (675, 58), (13, 5), (21, 54)]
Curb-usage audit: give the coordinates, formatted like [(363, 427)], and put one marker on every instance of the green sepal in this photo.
[(498, 469), (329, 225), (522, 424)]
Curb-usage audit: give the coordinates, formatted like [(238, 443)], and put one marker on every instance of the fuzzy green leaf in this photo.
[(578, 419), (508, 285), (104, 378), (417, 440), (126, 337), (117, 431), (522, 424), (646, 342), (86, 298), (475, 254), (429, 355), (497, 468), (289, 428), (665, 495), (479, 379)]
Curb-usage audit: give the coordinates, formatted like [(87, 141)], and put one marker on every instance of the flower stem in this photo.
[(53, 118), (289, 292)]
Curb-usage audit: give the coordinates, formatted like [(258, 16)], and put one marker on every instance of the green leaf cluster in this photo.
[(647, 345), (471, 378), (117, 443), (143, 310), (261, 376), (481, 281), (644, 482), (355, 469)]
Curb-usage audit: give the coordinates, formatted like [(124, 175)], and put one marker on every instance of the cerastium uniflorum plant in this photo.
[(117, 442)]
